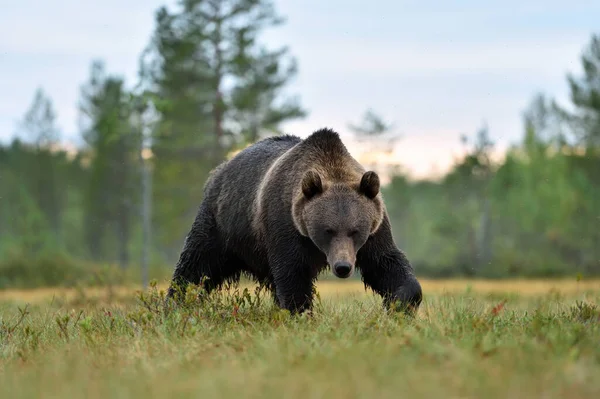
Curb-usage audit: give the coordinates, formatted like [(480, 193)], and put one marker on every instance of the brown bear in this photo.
[(283, 209)]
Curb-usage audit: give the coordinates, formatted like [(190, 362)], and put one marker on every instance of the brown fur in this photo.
[(284, 208), (326, 156)]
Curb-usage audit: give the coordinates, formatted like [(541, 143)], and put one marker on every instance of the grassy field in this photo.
[(470, 339)]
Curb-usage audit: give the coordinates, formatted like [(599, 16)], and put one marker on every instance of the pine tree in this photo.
[(214, 87), (43, 178), (584, 121), (113, 145), (38, 126)]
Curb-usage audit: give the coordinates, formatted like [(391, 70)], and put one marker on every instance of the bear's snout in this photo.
[(342, 269), (341, 257)]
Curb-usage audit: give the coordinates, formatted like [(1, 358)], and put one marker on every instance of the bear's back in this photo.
[(235, 184)]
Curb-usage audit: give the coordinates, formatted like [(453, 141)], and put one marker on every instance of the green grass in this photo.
[(237, 344)]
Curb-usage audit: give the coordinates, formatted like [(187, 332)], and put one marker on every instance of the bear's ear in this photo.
[(369, 184), (311, 184)]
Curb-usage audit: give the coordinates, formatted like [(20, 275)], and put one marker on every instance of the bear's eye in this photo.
[(330, 232), (352, 233)]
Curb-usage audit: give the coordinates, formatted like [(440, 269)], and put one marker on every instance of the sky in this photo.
[(435, 69)]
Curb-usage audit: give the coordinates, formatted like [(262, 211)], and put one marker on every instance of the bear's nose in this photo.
[(342, 269)]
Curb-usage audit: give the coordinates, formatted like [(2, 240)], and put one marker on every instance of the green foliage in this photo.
[(38, 198), (54, 268), (48, 268), (51, 268), (114, 146), (538, 207)]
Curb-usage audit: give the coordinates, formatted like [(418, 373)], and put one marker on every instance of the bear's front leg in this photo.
[(388, 272), (293, 280)]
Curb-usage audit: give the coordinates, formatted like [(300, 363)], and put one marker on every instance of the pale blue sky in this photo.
[(435, 68)]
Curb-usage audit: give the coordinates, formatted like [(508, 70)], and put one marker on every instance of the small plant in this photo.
[(8, 329), (585, 312)]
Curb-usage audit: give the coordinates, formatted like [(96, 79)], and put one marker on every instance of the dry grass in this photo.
[(330, 288)]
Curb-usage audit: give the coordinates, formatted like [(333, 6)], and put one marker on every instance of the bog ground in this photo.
[(517, 339)]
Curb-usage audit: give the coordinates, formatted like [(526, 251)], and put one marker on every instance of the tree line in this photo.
[(207, 86)]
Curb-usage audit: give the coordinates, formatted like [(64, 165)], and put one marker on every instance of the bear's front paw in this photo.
[(407, 298)]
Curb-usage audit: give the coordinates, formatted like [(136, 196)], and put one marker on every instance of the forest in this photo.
[(207, 87)]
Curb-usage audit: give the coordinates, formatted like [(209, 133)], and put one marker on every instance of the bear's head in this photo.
[(339, 217)]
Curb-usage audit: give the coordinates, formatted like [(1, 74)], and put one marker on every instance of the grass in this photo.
[(517, 339)]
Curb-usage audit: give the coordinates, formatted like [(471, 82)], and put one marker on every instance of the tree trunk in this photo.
[(123, 232), (485, 235)]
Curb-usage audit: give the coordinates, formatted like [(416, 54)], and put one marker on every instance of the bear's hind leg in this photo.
[(202, 257)]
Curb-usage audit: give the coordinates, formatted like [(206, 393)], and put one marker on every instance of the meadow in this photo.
[(470, 339)]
